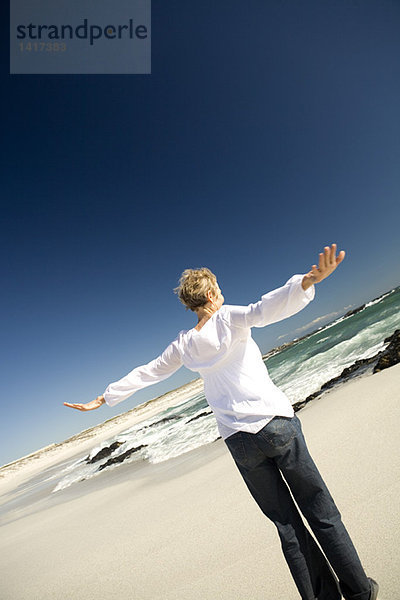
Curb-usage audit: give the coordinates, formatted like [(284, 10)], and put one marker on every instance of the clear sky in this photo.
[(266, 130)]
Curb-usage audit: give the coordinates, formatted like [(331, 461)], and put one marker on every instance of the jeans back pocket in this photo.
[(236, 447), (244, 449), (279, 432)]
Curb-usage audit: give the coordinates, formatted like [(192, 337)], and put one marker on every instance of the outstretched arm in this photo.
[(156, 370), (328, 261), (289, 299)]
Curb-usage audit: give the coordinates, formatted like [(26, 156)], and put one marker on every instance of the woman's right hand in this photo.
[(89, 405), (328, 261)]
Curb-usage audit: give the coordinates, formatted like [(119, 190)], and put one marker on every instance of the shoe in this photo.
[(374, 589)]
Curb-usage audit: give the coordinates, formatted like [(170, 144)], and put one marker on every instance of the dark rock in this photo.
[(391, 355), (354, 311), (165, 420), (121, 457), (160, 422), (203, 414), (386, 358), (298, 405), (104, 452), (348, 371)]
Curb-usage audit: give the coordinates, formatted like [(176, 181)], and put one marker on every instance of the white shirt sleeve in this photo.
[(156, 370), (274, 306)]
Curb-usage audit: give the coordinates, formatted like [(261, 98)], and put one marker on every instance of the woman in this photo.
[(258, 424)]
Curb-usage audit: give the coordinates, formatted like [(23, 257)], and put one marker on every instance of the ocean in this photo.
[(299, 369)]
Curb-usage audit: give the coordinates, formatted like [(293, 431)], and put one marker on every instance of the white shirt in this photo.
[(236, 382)]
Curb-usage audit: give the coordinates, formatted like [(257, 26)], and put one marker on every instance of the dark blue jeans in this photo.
[(267, 459)]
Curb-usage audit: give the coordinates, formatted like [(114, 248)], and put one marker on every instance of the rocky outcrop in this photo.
[(103, 453), (384, 359), (391, 355), (203, 414), (354, 311), (162, 421), (121, 457)]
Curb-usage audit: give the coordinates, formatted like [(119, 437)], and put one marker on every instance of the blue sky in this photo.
[(265, 131)]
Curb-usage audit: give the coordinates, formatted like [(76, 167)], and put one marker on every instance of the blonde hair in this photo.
[(193, 287)]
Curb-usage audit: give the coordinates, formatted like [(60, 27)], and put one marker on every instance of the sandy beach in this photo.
[(187, 529)]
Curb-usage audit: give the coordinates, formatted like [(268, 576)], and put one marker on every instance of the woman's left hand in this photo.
[(89, 405)]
